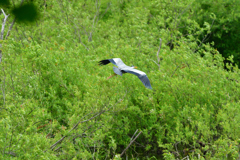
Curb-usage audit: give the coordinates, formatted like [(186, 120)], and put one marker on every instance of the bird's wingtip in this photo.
[(149, 87)]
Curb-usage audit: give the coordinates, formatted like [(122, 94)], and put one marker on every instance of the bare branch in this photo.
[(75, 126), (3, 27), (3, 24), (177, 152), (10, 28), (94, 19), (159, 51), (181, 14), (59, 141), (134, 134), (158, 58), (11, 153), (106, 10), (79, 37), (84, 29), (187, 158), (13, 22), (175, 71), (20, 36), (0, 54), (154, 62), (206, 37), (131, 143), (58, 148), (3, 86), (63, 85)]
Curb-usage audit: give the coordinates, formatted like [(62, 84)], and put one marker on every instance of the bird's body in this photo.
[(122, 68)]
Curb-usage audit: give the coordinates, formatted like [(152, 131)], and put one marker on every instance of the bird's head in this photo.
[(133, 66)]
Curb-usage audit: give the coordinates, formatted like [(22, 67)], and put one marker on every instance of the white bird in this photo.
[(122, 68)]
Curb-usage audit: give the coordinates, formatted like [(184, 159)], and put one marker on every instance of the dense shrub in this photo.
[(57, 103)]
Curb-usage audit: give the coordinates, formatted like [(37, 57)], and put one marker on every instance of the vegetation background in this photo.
[(57, 104)]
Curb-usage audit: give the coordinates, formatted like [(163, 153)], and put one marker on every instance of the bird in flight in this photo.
[(123, 68)]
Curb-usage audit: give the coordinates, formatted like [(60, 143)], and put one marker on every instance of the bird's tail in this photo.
[(112, 76)]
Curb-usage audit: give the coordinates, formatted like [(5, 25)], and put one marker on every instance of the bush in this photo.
[(57, 104)]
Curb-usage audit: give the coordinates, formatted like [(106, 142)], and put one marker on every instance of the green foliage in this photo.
[(223, 15), (57, 104), (25, 13), (4, 3)]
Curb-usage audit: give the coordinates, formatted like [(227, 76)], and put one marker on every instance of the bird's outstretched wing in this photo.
[(116, 61), (141, 75)]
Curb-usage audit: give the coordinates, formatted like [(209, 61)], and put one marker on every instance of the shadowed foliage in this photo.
[(26, 13)]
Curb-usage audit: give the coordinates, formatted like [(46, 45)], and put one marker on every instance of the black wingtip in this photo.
[(103, 62)]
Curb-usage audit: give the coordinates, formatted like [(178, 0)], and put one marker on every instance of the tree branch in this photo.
[(3, 24), (75, 126), (158, 58), (205, 38), (159, 51), (79, 36), (131, 142), (175, 71), (3, 86), (94, 19), (10, 28)]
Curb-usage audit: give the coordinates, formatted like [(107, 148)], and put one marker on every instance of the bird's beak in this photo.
[(135, 67)]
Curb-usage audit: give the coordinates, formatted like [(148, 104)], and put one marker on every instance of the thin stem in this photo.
[(130, 143), (158, 58)]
